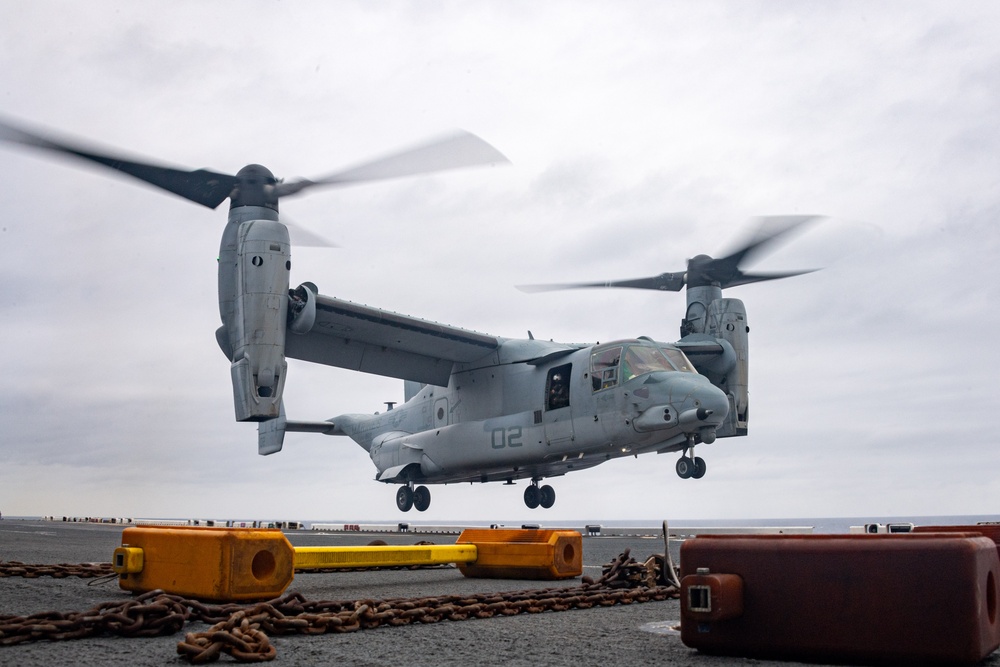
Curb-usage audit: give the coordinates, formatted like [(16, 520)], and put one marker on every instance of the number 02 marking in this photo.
[(506, 437)]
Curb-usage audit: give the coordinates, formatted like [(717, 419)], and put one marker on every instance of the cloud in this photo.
[(640, 135)]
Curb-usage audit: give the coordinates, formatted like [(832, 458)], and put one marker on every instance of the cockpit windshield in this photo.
[(679, 359), (640, 359), (622, 362)]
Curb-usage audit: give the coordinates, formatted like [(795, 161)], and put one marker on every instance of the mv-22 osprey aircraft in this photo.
[(478, 408)]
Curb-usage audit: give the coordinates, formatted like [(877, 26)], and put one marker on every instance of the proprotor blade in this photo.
[(665, 282), (462, 149), (747, 278), (726, 270), (703, 270), (201, 186)]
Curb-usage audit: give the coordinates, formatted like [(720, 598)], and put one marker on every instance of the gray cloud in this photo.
[(640, 134)]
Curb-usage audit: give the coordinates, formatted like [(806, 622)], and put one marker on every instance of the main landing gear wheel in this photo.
[(687, 467), (421, 498), (532, 496), (404, 498), (546, 496)]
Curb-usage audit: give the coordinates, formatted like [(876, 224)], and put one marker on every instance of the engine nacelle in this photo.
[(302, 308), (256, 331), (726, 320)]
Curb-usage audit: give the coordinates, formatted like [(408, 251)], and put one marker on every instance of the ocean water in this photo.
[(822, 525), (832, 525)]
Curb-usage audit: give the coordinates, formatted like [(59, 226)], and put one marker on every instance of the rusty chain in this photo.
[(243, 631), (13, 568)]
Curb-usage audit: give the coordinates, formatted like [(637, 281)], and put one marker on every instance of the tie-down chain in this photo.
[(242, 631)]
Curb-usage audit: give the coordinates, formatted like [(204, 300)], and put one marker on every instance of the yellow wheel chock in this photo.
[(233, 564)]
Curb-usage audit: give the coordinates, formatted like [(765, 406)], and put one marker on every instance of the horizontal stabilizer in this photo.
[(326, 428), (271, 433)]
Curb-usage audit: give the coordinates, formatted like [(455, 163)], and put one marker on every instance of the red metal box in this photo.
[(917, 597), (990, 530)]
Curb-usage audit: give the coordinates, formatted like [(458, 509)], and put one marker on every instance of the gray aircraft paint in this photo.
[(487, 408)]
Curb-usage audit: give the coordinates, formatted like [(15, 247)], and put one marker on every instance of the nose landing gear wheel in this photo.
[(691, 467), (421, 498), (699, 468), (684, 467), (404, 498)]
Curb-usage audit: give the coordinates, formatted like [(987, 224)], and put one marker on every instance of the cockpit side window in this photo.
[(604, 367), (557, 387)]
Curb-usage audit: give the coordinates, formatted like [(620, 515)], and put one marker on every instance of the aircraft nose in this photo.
[(713, 401), (710, 413), (686, 400), (705, 406)]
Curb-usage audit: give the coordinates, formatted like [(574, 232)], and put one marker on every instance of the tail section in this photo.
[(271, 433), (411, 389)]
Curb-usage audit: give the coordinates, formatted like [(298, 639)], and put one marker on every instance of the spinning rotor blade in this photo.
[(747, 278), (201, 186), (726, 270), (453, 152), (667, 282), (704, 270), (303, 238), (210, 188)]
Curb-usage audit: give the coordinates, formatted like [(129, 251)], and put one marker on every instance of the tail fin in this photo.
[(411, 389), (271, 433)]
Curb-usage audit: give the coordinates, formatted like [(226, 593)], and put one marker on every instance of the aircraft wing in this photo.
[(372, 340)]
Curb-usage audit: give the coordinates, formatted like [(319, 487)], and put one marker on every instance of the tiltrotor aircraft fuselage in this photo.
[(478, 408)]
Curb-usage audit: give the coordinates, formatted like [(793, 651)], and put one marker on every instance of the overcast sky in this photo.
[(639, 134)]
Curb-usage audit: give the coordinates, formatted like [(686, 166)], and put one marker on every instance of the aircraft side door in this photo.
[(557, 414)]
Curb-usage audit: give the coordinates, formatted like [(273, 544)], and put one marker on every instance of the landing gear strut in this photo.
[(690, 467), (408, 497), (535, 495)]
